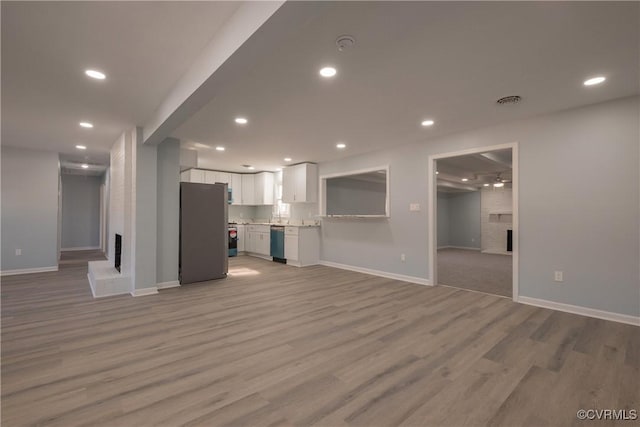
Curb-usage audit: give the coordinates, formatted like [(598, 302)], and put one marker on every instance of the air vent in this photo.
[(345, 42), (512, 99)]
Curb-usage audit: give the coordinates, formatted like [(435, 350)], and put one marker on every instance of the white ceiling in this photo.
[(477, 169), (143, 47), (448, 61)]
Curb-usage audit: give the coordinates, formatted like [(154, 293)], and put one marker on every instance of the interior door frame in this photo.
[(433, 209)]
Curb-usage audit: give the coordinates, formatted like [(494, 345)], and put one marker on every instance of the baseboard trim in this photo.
[(584, 311), (81, 248), (497, 253), (167, 285), (92, 285), (459, 247), (385, 274), (28, 271), (152, 290)]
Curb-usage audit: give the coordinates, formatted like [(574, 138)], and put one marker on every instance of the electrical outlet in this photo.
[(414, 207), (473, 239), (403, 258), (558, 276), (18, 252)]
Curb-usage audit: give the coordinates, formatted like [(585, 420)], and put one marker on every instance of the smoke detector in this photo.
[(511, 99), (345, 42)]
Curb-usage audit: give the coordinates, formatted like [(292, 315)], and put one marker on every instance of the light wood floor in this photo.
[(275, 345)]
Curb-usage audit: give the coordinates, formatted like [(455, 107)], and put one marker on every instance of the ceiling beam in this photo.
[(448, 184), (194, 89)]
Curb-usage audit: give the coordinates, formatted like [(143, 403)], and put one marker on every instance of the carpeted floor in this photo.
[(80, 257), (475, 271)]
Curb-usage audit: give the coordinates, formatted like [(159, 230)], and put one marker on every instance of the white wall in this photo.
[(29, 209), (579, 206), (116, 194), (494, 227), (121, 202), (80, 211)]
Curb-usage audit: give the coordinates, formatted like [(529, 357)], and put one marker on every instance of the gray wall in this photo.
[(29, 208), (443, 219), (348, 196), (580, 216), (81, 211), (168, 210), (464, 220), (145, 200)]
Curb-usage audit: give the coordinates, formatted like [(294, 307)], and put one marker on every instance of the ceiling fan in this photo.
[(499, 182)]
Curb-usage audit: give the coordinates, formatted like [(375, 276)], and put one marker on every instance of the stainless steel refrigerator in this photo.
[(204, 253)]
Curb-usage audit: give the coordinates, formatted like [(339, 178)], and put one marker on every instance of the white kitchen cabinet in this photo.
[(241, 237), (210, 177), (215, 177), (193, 175), (236, 188), (248, 241), (291, 248), (258, 240), (263, 188), (223, 177), (302, 245), (248, 189), (300, 183), (264, 245)]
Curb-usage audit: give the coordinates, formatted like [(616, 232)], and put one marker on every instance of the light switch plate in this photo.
[(414, 207)]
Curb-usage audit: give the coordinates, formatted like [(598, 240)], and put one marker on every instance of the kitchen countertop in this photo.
[(274, 223)]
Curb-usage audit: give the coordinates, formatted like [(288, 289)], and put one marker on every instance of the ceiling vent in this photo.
[(345, 42), (511, 99)]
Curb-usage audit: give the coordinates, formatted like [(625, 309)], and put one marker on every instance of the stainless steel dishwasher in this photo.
[(277, 243)]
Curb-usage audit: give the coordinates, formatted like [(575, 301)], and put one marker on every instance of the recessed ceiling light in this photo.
[(465, 179), (498, 184), (287, 159), (94, 74), (437, 172), (427, 123), (594, 81), (251, 168), (341, 145), (84, 166), (328, 72), (219, 148), (241, 120), (86, 125), (81, 147), (486, 185)]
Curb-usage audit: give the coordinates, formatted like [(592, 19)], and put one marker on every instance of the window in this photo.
[(280, 209)]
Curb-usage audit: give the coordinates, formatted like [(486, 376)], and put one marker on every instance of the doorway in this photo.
[(473, 220)]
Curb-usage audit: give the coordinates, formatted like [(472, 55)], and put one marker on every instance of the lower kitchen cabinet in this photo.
[(258, 240), (241, 237), (302, 245)]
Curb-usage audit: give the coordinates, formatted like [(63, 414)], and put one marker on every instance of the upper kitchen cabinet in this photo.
[(215, 177), (193, 175), (236, 188), (248, 194), (300, 183), (263, 187)]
